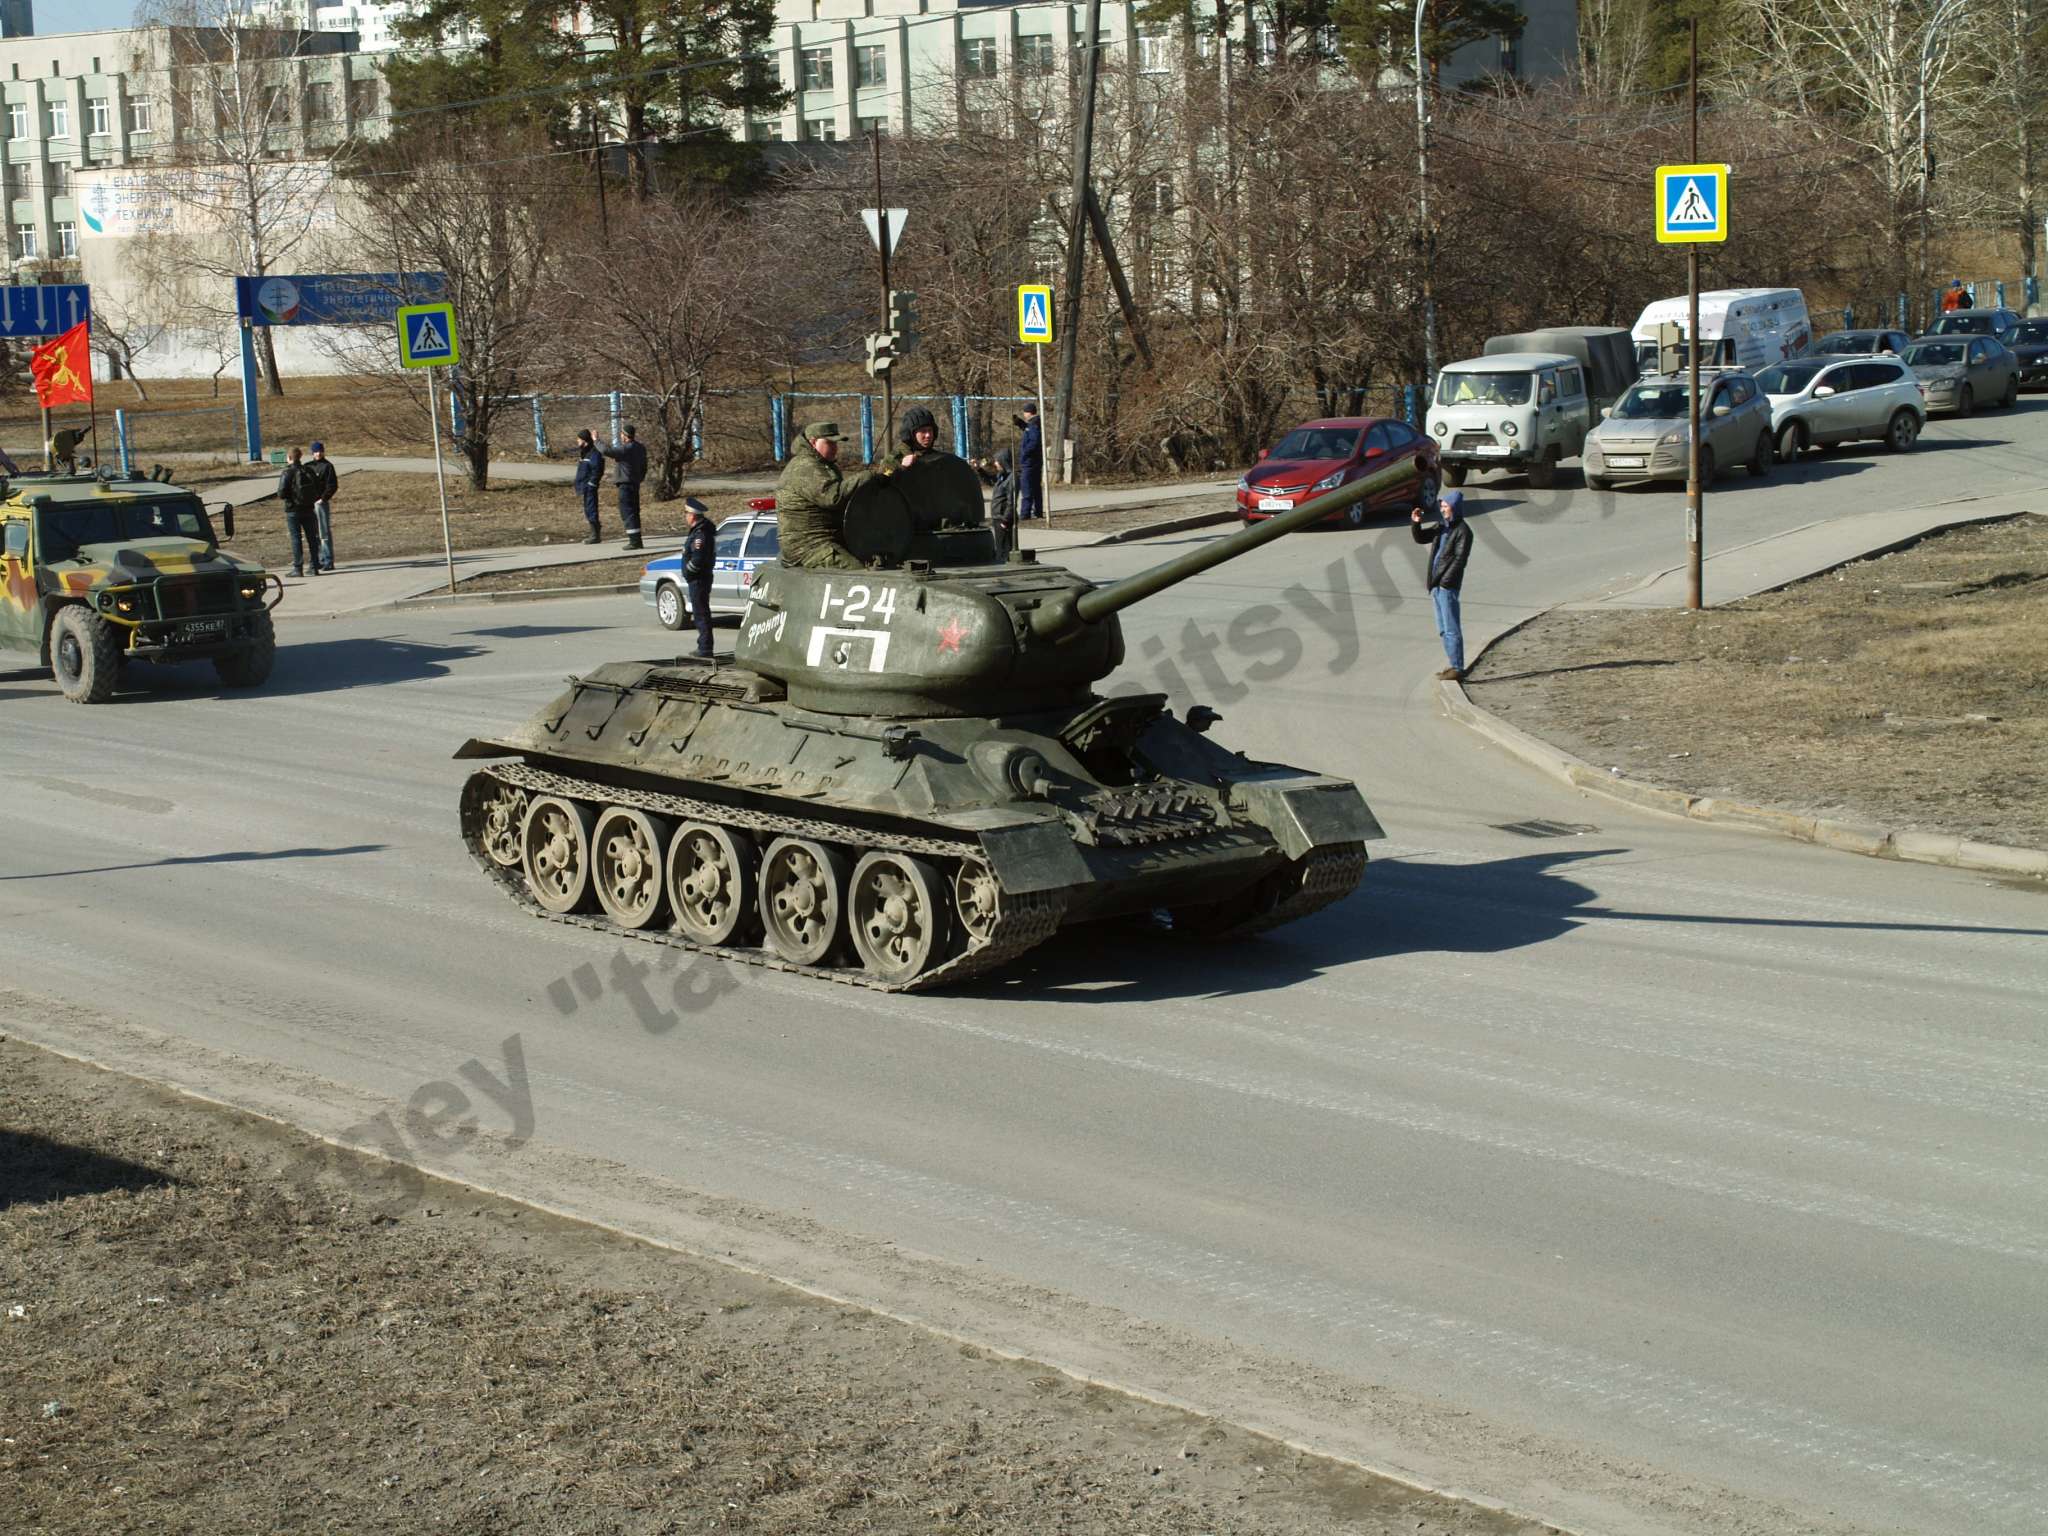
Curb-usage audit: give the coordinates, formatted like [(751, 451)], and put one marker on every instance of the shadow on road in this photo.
[(306, 666), (1589, 666), (533, 631), (35, 1170), (1403, 907), (245, 856)]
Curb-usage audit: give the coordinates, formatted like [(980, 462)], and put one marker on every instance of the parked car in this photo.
[(1518, 411), (2001, 323), (1817, 402), (1319, 456), (1863, 343), (2029, 347), (744, 544), (1643, 437), (1957, 372)]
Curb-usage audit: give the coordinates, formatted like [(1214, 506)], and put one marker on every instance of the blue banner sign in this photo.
[(334, 298), (44, 309)]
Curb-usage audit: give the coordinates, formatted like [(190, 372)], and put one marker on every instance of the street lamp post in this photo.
[(1428, 241)]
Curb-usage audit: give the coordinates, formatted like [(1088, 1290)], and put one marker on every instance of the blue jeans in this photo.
[(323, 512), (305, 531), (1448, 626)]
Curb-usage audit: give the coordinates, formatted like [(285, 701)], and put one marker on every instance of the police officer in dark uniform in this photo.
[(700, 555), (589, 476), (631, 460)]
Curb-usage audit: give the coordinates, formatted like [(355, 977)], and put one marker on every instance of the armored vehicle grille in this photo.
[(187, 597), (709, 686), (1146, 813)]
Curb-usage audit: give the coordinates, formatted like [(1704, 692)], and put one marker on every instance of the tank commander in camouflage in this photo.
[(810, 500)]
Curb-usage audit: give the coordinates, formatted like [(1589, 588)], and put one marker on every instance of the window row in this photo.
[(27, 246)]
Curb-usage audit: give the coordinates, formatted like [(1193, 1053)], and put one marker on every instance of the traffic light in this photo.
[(881, 353), (903, 318)]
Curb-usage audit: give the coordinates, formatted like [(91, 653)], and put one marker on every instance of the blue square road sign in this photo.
[(1692, 204), (426, 336)]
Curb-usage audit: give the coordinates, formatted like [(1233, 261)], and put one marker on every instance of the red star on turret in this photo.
[(951, 636)]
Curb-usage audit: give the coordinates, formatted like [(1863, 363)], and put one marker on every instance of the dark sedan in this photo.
[(2030, 346), (1960, 373), (1862, 343), (1319, 456), (1997, 323)]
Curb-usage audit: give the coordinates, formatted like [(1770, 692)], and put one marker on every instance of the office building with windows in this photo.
[(73, 103), (925, 66)]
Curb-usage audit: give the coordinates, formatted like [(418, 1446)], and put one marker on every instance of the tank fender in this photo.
[(1306, 811), (1027, 853), (476, 747)]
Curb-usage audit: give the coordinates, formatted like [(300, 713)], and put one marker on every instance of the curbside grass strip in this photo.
[(1845, 837)]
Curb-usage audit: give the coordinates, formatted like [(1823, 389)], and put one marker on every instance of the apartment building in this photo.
[(79, 104), (922, 66)]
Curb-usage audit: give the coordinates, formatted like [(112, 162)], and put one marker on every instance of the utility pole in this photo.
[(1428, 240), (1695, 512), (882, 239), (1077, 237)]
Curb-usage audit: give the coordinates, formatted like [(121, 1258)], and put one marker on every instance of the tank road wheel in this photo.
[(85, 654), (711, 883), (897, 914), (628, 851), (554, 847), (802, 901), (978, 899), (497, 811)]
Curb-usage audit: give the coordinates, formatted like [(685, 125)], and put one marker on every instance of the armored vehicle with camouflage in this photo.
[(96, 572), (903, 776)]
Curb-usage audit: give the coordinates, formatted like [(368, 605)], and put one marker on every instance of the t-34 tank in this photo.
[(903, 777)]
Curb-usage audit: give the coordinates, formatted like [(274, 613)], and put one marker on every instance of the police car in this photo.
[(745, 543)]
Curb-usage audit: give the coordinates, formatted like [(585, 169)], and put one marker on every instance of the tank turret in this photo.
[(903, 777), (925, 632)]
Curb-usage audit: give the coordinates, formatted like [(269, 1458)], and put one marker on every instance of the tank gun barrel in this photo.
[(1054, 620)]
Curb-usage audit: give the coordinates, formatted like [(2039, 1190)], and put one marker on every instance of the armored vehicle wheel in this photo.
[(978, 899), (554, 846), (803, 898), (897, 911), (85, 654), (628, 855), (250, 666), (497, 811), (711, 883)]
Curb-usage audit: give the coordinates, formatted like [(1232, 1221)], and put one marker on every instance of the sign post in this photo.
[(426, 339), (1692, 210), (1034, 327)]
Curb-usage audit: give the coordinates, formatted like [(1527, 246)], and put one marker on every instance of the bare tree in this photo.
[(488, 212), (248, 189), (653, 303)]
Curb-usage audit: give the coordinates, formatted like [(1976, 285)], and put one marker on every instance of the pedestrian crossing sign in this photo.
[(1692, 204), (1034, 313), (426, 336)]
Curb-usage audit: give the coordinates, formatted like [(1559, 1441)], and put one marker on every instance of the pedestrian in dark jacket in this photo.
[(629, 468), (1002, 502), (1031, 466), (295, 489), (589, 476), (326, 480), (700, 559), (1450, 545)]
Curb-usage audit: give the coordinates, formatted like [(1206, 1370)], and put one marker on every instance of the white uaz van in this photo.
[(1512, 411)]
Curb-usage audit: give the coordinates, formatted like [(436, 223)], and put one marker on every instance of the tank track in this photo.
[(1026, 920), (1327, 874)]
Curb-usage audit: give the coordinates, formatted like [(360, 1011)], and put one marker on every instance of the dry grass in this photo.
[(1906, 691)]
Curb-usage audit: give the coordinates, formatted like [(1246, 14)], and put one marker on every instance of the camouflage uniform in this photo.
[(810, 506)]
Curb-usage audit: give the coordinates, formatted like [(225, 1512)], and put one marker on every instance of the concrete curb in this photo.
[(1843, 836), (1153, 530)]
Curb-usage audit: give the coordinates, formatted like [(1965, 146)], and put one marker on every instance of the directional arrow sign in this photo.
[(872, 217), (43, 309)]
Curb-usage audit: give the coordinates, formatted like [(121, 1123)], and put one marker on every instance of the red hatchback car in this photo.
[(1319, 456)]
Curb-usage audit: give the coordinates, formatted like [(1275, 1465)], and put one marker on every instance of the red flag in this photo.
[(63, 368)]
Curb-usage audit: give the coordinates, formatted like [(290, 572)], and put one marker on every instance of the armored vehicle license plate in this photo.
[(202, 629)]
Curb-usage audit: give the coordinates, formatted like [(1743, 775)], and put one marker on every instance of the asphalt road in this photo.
[(1644, 1175)]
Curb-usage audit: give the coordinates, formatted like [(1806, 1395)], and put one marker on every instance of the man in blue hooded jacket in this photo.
[(1450, 545)]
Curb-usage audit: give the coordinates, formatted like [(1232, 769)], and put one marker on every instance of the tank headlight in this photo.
[(251, 591), (1440, 428), (1507, 429)]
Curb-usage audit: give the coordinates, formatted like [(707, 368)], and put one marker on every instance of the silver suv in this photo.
[(1817, 402), (1644, 435)]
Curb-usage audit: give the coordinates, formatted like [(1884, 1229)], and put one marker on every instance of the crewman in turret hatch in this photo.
[(811, 497)]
